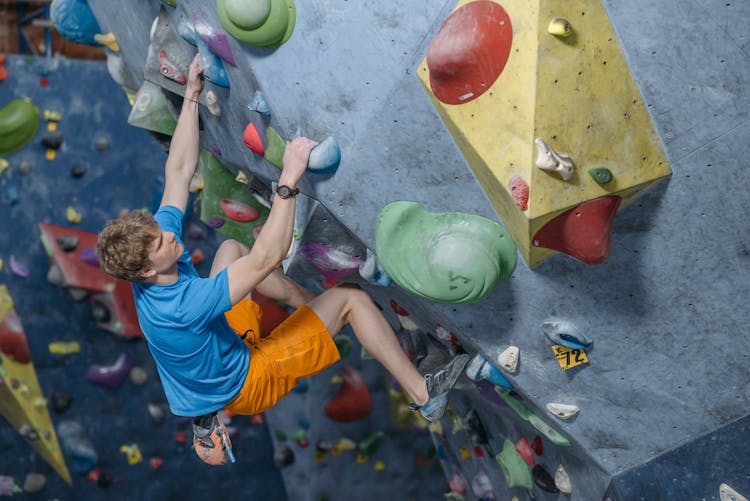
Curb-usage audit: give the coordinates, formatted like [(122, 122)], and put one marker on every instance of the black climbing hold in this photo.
[(68, 243), (53, 141), (105, 479), (543, 479), (477, 433), (283, 456), (77, 171), (101, 313), (60, 401)]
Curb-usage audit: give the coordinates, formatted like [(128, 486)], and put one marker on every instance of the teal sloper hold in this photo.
[(259, 104), (325, 157), (265, 23), (516, 470), (213, 68), (444, 257), (75, 21)]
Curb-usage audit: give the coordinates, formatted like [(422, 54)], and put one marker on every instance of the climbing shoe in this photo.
[(438, 386), (211, 440)]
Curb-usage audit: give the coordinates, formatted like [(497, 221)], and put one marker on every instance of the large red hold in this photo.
[(353, 401), (469, 52), (13, 340), (583, 232)]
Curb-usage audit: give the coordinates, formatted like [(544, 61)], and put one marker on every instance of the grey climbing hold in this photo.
[(68, 243), (77, 171), (138, 375), (101, 143), (24, 167), (726, 493), (563, 411), (562, 480), (157, 412), (283, 456), (508, 359), (34, 482)]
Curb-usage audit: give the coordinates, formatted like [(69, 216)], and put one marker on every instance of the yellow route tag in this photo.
[(568, 357)]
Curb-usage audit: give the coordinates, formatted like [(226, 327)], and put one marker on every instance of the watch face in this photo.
[(284, 191)]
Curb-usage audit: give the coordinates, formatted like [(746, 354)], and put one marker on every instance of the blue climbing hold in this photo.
[(325, 157), (259, 104), (75, 21)]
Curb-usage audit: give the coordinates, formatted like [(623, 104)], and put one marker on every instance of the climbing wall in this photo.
[(641, 356)]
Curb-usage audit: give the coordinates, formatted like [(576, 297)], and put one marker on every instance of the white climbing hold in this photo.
[(559, 27), (407, 323), (508, 359), (563, 411), (562, 480), (550, 160), (726, 493)]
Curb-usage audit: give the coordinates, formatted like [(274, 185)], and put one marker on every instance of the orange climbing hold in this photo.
[(353, 400), (252, 140)]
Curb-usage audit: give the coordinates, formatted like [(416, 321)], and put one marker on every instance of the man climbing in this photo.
[(203, 333)]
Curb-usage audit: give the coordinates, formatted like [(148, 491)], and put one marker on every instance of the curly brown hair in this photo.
[(123, 245)]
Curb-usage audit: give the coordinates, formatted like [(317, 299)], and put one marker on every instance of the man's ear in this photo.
[(147, 273)]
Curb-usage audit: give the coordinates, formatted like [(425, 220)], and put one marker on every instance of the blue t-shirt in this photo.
[(201, 360)]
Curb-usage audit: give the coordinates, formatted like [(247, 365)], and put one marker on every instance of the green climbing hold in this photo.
[(19, 120), (370, 443), (151, 111), (548, 431), (171, 3), (275, 147), (263, 23), (524, 412), (601, 175), (447, 257), (515, 468), (343, 344)]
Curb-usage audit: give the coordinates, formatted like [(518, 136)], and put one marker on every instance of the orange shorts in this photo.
[(299, 347)]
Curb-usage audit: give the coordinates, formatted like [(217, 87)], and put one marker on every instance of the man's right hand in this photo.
[(295, 159)]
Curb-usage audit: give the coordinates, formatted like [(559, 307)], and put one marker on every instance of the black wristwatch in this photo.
[(285, 191)]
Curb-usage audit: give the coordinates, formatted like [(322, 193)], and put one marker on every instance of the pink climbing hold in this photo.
[(238, 211), (252, 139), (469, 52), (524, 450), (353, 400), (169, 69), (519, 191), (584, 232)]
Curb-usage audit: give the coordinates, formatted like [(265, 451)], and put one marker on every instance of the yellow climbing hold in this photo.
[(72, 215), (465, 452), (1, 264), (109, 40), (64, 347), (4, 164), (197, 184), (52, 116), (132, 452), (362, 458), (51, 126), (379, 465), (337, 379), (242, 178), (50, 154)]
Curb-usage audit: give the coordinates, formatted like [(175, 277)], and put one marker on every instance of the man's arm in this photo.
[(184, 148), (276, 236)]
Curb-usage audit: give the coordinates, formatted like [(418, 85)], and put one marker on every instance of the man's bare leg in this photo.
[(346, 304), (275, 286)]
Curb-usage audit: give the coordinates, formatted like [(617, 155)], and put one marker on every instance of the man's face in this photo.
[(165, 251)]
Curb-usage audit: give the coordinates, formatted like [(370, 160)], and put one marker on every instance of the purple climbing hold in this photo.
[(332, 263), (88, 256), (18, 268), (215, 149), (214, 38), (111, 376), (215, 222)]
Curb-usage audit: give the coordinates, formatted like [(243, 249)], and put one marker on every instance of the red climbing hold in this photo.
[(519, 190), (252, 140), (469, 52), (13, 339), (524, 450), (169, 69), (353, 401), (536, 444), (273, 313), (3, 69), (239, 211), (398, 309), (583, 232)]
